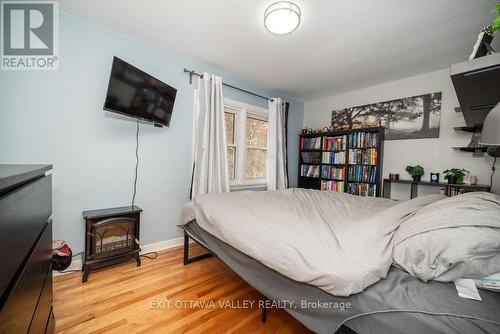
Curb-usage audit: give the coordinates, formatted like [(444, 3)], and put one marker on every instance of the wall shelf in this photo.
[(481, 149), (474, 129)]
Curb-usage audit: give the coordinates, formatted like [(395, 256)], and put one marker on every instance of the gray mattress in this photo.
[(399, 303)]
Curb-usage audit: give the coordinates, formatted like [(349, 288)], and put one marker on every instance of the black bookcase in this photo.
[(345, 161)]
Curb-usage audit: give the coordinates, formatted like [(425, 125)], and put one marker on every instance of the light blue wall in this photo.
[(57, 118)]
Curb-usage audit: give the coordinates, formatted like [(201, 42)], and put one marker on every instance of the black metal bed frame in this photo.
[(188, 260), (263, 315)]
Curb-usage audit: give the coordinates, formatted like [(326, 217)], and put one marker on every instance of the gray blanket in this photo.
[(399, 303), (338, 242)]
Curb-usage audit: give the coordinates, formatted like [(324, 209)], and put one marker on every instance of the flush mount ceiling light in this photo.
[(282, 17)]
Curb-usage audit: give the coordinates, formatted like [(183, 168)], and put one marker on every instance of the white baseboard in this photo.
[(76, 264), (162, 245)]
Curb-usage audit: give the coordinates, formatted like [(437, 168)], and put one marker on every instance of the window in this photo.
[(246, 135), (229, 119), (256, 147)]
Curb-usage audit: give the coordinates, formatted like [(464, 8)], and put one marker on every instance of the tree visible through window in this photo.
[(246, 135), (256, 147), (229, 119)]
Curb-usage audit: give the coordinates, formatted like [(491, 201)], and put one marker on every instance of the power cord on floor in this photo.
[(69, 271), (150, 255), (76, 254), (147, 255)]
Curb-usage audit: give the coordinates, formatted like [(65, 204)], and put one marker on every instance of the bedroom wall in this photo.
[(56, 117), (434, 155)]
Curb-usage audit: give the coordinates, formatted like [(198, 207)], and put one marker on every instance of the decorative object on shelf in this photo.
[(470, 180), (416, 172), (413, 117), (282, 17), (455, 175), (475, 139), (491, 136), (393, 177), (483, 43), (435, 177)]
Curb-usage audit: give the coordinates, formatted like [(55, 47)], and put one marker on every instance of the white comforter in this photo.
[(337, 242)]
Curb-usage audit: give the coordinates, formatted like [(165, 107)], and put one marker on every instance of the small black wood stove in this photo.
[(111, 236)]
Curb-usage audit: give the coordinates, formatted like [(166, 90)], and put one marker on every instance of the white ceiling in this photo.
[(339, 46)]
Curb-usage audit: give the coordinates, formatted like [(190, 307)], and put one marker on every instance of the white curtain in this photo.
[(276, 146), (210, 173)]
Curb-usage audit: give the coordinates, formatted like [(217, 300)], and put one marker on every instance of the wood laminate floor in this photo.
[(164, 296)]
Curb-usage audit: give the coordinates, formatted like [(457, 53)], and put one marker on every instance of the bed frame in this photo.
[(188, 260), (263, 316)]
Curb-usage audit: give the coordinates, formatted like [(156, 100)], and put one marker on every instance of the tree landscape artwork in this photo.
[(413, 117)]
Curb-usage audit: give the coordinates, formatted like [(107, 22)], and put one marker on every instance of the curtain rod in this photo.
[(191, 73)]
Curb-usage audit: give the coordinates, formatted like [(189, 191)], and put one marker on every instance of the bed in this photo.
[(397, 302)]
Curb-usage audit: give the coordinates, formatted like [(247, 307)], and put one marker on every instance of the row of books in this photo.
[(330, 172), (333, 157), (362, 174), (311, 157), (362, 189), (334, 143), (333, 186), (363, 139), (363, 156), (453, 191), (310, 143), (309, 171)]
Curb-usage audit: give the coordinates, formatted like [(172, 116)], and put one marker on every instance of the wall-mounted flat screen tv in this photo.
[(134, 93)]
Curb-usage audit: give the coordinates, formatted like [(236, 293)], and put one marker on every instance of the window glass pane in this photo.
[(256, 132), (231, 161), (256, 163), (229, 120)]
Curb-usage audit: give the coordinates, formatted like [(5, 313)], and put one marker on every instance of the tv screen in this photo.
[(135, 93)]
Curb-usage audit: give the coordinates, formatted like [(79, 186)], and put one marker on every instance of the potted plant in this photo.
[(455, 175), (496, 23), (416, 172)]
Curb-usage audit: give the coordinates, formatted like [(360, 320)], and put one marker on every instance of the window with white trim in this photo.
[(246, 135)]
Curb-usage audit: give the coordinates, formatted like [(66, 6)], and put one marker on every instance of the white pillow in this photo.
[(450, 253), (451, 238)]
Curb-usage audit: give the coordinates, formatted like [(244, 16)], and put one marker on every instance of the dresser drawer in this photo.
[(51, 324), (19, 308), (23, 214), (43, 308)]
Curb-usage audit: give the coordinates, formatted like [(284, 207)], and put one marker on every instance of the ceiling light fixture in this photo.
[(282, 17)]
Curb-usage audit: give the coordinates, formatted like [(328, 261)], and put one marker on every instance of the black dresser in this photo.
[(26, 249)]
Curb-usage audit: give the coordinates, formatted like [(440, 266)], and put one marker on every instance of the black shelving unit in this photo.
[(315, 157), (450, 189), (479, 149), (473, 129)]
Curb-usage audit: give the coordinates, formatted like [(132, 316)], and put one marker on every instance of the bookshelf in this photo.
[(344, 161)]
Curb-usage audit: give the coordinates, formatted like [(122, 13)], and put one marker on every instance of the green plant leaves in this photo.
[(496, 23)]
